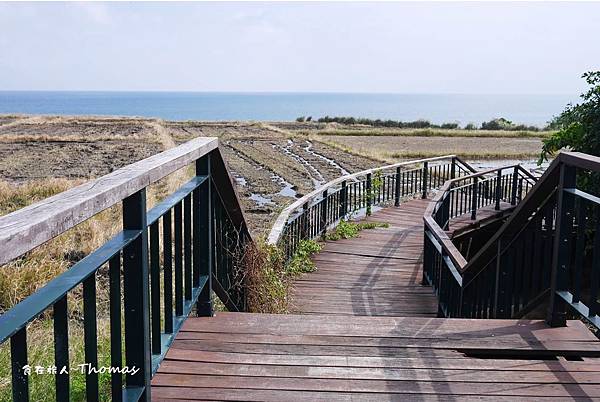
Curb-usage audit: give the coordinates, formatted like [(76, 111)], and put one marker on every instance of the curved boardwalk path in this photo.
[(366, 331), (377, 273)]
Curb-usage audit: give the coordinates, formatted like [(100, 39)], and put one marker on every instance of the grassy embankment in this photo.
[(400, 144)]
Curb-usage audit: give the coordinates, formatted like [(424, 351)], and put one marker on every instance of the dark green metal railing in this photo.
[(163, 264), (547, 251), (310, 216)]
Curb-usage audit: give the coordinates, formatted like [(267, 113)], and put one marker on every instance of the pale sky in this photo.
[(488, 48)]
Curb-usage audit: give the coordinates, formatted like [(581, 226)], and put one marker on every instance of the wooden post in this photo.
[(424, 184), (324, 207), (474, 198), (136, 294), (203, 258), (498, 189), (560, 253), (398, 184), (369, 194)]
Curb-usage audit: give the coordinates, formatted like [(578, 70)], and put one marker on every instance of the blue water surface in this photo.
[(440, 108)]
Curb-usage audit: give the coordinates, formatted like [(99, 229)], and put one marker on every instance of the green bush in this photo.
[(578, 125), (450, 126)]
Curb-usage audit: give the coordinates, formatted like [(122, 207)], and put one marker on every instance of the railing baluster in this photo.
[(187, 246), (155, 287), (498, 189), (116, 352), (424, 177), (579, 249), (324, 212), (168, 272), (90, 335), (369, 194), (18, 358), (61, 348), (397, 187), (178, 260)]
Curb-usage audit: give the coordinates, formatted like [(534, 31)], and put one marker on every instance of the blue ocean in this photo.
[(526, 109)]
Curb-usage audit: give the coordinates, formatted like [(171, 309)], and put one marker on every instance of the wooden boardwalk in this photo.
[(377, 273), (380, 271), (242, 356), (365, 329)]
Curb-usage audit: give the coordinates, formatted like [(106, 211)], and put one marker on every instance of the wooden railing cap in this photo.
[(29, 227)]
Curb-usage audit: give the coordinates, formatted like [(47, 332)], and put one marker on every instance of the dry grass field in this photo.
[(272, 164)]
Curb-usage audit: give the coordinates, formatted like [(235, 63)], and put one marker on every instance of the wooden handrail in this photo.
[(29, 227), (283, 217)]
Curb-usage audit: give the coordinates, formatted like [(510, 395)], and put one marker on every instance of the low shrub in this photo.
[(348, 230)]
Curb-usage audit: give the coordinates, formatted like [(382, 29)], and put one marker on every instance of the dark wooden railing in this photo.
[(546, 253), (191, 240), (311, 215), (443, 263)]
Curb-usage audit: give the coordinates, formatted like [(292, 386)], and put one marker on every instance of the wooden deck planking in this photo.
[(378, 273), (296, 357), (365, 330)]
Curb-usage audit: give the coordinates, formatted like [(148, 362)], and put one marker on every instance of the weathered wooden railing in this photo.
[(203, 230), (547, 251), (313, 214), (443, 264)]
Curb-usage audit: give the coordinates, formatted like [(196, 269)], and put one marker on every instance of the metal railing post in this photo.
[(446, 212), (426, 259), (136, 294), (474, 195), (498, 189), (453, 168), (397, 187), (499, 300), (203, 239), (369, 193), (343, 201), (424, 184), (324, 206), (560, 254), (304, 221), (513, 196)]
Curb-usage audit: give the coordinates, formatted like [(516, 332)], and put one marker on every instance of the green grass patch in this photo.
[(348, 230), (301, 262)]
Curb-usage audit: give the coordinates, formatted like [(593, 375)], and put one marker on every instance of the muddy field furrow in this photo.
[(272, 163)]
